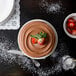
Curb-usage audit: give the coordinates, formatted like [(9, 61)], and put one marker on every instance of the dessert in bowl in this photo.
[(69, 25), (37, 39)]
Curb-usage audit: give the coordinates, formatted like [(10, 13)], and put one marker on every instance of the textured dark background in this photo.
[(30, 9)]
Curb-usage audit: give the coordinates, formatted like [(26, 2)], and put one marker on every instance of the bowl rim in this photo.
[(64, 25), (37, 58), (9, 15)]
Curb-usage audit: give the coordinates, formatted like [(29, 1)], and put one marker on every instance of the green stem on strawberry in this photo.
[(40, 37)]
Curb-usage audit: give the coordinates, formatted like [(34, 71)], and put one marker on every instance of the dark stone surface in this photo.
[(30, 9)]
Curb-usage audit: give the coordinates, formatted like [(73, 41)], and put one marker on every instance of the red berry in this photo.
[(34, 40), (74, 32), (69, 30), (71, 24), (70, 20), (41, 41), (75, 28)]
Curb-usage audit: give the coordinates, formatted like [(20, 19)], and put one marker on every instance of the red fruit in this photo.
[(75, 28), (74, 32), (69, 30), (71, 24), (34, 40), (41, 41), (70, 20)]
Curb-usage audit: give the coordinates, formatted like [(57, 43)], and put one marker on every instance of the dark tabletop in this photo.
[(34, 9)]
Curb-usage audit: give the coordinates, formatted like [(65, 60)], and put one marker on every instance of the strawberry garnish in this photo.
[(69, 30), (39, 38), (73, 32), (41, 41), (34, 40)]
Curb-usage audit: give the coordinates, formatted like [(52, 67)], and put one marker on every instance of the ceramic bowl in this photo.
[(56, 36), (64, 25)]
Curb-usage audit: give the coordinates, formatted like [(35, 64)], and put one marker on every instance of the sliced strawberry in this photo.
[(34, 40), (75, 28), (39, 38), (73, 32), (71, 24), (69, 30), (70, 20), (41, 41)]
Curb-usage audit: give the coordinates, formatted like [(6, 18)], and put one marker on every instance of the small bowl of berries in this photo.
[(69, 25)]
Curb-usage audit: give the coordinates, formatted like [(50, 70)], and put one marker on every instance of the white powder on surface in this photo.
[(68, 63), (46, 68), (53, 70), (51, 7)]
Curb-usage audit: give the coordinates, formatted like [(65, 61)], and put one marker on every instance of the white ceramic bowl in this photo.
[(64, 25), (55, 41), (6, 10)]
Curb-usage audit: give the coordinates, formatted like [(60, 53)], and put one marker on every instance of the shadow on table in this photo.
[(14, 71)]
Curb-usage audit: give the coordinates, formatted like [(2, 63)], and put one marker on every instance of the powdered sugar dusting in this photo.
[(5, 45), (46, 68), (51, 7), (67, 62), (54, 7), (53, 70)]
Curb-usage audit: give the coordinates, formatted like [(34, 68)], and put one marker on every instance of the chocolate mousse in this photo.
[(29, 47)]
